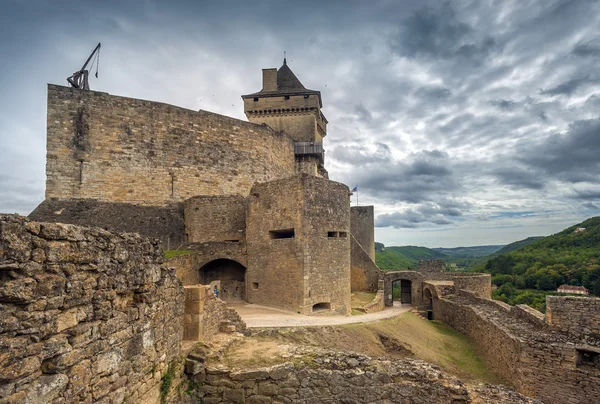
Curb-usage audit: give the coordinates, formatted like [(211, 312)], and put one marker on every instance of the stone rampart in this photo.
[(118, 149), (162, 222), (480, 284), (540, 360), (87, 315)]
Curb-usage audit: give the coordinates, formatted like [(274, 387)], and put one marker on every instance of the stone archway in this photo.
[(230, 274), (409, 287), (402, 291)]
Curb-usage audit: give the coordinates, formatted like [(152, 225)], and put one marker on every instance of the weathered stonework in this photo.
[(546, 360), (162, 222), (119, 149), (324, 376), (86, 315), (215, 218), (299, 246), (364, 272), (362, 226), (206, 315)]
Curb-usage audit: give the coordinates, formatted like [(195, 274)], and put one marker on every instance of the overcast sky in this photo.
[(463, 122)]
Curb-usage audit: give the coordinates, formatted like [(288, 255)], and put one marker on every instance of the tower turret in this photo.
[(286, 105)]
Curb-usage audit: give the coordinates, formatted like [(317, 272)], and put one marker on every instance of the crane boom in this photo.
[(79, 79)]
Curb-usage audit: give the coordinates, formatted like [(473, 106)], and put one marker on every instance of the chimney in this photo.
[(269, 79)]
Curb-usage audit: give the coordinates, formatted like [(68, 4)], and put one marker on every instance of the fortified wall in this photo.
[(555, 358), (87, 315), (118, 149)]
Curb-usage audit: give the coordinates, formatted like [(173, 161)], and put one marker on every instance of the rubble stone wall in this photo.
[(540, 361), (87, 315), (335, 377), (206, 315), (162, 222), (118, 149), (574, 315)]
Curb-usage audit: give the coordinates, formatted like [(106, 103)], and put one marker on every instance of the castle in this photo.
[(91, 314), (252, 199)]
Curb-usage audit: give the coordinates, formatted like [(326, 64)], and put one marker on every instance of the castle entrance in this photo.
[(402, 291), (231, 276)]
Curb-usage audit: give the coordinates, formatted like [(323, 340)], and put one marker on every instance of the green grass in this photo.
[(175, 253)]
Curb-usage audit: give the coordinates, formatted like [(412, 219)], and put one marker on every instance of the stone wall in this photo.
[(215, 218), (574, 315), (87, 315), (298, 245), (322, 376), (119, 149), (325, 244), (364, 272), (436, 265), (206, 315), (540, 361), (162, 222), (480, 284), (362, 227)]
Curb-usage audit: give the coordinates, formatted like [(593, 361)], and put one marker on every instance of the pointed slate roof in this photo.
[(287, 84)]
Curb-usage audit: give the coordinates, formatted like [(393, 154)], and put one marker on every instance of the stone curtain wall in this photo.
[(540, 360), (215, 218), (574, 315), (162, 222), (364, 272), (87, 315), (205, 315), (121, 149), (362, 227)]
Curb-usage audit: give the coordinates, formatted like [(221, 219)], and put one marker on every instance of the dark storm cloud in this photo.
[(438, 32), (520, 177), (425, 215), (571, 86), (571, 156), (587, 49)]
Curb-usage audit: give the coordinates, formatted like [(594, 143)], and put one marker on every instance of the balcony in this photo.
[(307, 149)]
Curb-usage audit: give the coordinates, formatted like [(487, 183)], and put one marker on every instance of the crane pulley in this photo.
[(79, 79)]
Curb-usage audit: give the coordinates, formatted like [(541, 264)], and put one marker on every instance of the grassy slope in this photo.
[(467, 252), (404, 336)]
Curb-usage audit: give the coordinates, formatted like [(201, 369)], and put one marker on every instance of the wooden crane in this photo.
[(79, 79)]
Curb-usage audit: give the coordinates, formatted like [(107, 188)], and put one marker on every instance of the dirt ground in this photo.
[(404, 335), (257, 316)]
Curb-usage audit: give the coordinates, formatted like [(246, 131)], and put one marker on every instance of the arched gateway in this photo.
[(231, 276)]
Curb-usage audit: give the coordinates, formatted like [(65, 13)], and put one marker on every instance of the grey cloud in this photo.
[(422, 216), (571, 86), (438, 32), (587, 49), (519, 177)]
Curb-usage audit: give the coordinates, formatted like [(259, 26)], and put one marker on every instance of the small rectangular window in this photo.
[(255, 99), (343, 234), (255, 285), (588, 358), (285, 233), (332, 234), (287, 97)]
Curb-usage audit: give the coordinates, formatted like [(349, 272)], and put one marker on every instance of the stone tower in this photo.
[(287, 106)]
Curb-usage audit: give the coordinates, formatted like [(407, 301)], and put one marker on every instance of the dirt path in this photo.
[(257, 316)]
